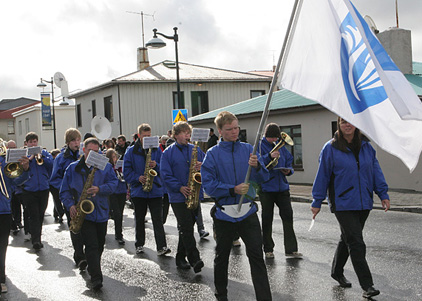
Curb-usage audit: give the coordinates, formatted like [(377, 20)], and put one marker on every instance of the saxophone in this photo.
[(194, 181), (84, 206), (149, 173)]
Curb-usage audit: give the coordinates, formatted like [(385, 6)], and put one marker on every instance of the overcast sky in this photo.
[(92, 42)]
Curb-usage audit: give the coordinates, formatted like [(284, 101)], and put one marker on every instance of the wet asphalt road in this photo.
[(394, 251)]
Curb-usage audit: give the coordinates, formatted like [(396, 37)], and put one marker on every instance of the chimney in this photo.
[(398, 44), (142, 58)]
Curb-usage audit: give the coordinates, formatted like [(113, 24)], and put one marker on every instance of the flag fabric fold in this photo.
[(334, 58)]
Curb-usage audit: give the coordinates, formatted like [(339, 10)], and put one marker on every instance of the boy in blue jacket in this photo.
[(276, 191), (36, 190), (223, 172), (133, 171), (175, 167), (94, 228), (7, 187)]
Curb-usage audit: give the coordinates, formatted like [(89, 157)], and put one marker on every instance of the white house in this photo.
[(29, 120), (149, 96)]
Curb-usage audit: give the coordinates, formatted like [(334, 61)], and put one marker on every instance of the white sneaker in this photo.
[(236, 243), (294, 255), (269, 255), (3, 288), (139, 250)]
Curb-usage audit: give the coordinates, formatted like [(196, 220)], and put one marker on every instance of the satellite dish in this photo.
[(371, 24), (58, 78), (100, 127)]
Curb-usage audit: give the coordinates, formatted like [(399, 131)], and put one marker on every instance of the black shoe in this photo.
[(198, 266), (97, 284), (342, 281), (15, 232), (182, 264), (203, 234), (370, 292), (82, 265), (60, 220), (37, 245)]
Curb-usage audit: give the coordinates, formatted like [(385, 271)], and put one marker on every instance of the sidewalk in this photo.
[(401, 200)]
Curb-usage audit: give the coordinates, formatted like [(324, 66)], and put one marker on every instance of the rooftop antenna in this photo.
[(397, 13), (142, 23)]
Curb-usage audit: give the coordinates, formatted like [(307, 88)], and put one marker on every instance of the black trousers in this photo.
[(16, 205), (36, 204), (351, 243), (166, 206), (155, 206), (77, 242), (249, 230), (283, 202), (93, 236), (117, 203), (187, 243), (5, 220), (58, 207)]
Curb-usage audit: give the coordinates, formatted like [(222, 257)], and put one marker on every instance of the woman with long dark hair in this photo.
[(350, 172)]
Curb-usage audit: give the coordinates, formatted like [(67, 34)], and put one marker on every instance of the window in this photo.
[(242, 136), (256, 93), (94, 108), (26, 125), (10, 127), (78, 115), (199, 102), (295, 132), (108, 108), (179, 104), (333, 127), (20, 127)]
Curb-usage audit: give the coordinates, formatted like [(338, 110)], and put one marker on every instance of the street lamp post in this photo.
[(43, 85), (156, 43)]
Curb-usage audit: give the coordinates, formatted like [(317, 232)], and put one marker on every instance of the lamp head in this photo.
[(155, 43), (41, 84)]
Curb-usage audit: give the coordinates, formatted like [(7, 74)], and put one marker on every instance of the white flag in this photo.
[(335, 59)]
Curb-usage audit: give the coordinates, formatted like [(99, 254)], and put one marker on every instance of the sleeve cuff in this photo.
[(232, 193)]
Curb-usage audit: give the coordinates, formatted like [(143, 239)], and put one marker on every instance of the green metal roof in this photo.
[(283, 99)]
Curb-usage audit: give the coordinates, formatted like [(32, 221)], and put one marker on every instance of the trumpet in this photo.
[(284, 139), (39, 159), (13, 169)]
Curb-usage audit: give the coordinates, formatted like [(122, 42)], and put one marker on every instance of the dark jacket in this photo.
[(174, 167), (122, 150), (225, 166), (73, 183), (277, 181), (350, 183), (134, 167)]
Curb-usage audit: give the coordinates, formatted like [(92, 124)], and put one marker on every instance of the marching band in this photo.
[(151, 176)]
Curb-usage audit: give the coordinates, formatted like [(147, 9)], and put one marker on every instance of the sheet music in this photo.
[(200, 135), (14, 154), (34, 150), (150, 142), (119, 164), (97, 160)]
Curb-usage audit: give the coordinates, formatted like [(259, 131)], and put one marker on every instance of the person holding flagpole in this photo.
[(349, 170)]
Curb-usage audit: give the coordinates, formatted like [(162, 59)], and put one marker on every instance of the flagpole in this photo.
[(270, 94)]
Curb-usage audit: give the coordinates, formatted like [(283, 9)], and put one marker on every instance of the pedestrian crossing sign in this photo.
[(180, 115)]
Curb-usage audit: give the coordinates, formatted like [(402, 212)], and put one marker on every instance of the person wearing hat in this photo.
[(276, 191)]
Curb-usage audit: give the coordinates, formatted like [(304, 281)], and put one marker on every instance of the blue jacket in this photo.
[(174, 167), (73, 184), (11, 185), (134, 167), (60, 164), (225, 166), (350, 183), (277, 181), (39, 175)]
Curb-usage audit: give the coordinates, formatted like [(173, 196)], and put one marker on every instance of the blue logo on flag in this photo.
[(360, 77)]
